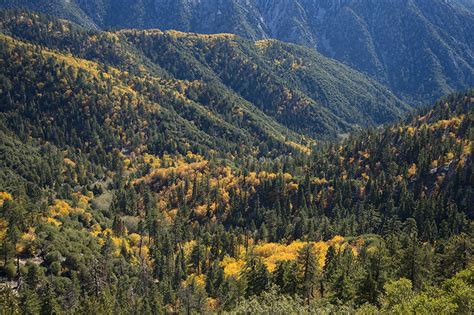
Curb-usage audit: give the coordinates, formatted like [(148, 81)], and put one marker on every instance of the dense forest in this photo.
[(131, 186), (287, 88), (420, 49)]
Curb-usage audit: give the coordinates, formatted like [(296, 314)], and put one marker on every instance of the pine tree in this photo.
[(375, 260), (49, 305), (329, 270), (456, 255), (29, 301), (344, 274), (256, 276), (34, 276), (118, 226), (416, 258), (198, 256), (285, 277), (308, 270), (73, 294)]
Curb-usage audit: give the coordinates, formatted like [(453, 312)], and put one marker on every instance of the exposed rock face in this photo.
[(421, 49)]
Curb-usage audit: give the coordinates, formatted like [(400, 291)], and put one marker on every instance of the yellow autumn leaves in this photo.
[(272, 253), (62, 209), (4, 196)]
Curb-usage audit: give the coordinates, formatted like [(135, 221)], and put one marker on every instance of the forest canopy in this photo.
[(128, 185)]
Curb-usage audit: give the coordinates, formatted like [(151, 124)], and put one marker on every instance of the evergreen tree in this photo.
[(49, 305), (416, 258), (29, 301), (308, 270), (285, 277), (255, 275), (375, 262)]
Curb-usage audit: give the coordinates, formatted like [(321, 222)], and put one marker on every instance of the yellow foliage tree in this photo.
[(412, 170)]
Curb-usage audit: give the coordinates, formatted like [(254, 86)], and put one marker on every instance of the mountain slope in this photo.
[(375, 37), (300, 88), (378, 38), (68, 106), (64, 9), (467, 4), (287, 89), (179, 228)]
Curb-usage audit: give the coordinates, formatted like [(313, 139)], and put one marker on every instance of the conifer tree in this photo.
[(308, 270)]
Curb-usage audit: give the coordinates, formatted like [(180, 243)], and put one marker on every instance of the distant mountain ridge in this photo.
[(421, 49)]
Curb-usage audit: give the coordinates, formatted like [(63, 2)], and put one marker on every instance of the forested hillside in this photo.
[(285, 86), (151, 172), (379, 222), (420, 49)]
